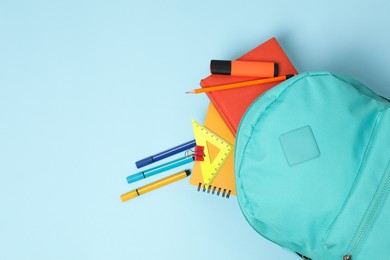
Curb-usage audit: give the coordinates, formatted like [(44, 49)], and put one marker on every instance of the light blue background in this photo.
[(89, 87)]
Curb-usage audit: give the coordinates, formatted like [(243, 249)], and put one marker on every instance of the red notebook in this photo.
[(232, 104)]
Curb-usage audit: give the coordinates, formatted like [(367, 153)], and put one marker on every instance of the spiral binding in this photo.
[(199, 155), (225, 193)]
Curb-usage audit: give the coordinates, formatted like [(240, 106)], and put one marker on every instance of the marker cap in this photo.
[(129, 195), (223, 67), (135, 177), (144, 162)]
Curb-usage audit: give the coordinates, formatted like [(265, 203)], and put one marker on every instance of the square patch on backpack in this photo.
[(299, 145)]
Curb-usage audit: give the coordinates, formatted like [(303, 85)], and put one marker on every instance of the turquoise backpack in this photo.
[(312, 167)]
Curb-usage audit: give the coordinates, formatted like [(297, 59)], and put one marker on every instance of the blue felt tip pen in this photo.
[(165, 154), (158, 169)]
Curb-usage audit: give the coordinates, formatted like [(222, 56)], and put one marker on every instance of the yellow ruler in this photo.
[(216, 151)]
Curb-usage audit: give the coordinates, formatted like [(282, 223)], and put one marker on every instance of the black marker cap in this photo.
[(223, 67), (276, 70)]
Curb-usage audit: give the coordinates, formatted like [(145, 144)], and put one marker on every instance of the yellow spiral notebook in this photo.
[(223, 184)]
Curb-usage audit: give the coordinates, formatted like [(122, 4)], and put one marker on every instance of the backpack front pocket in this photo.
[(372, 213), (348, 233)]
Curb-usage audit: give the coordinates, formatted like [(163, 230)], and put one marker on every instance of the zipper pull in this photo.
[(347, 257)]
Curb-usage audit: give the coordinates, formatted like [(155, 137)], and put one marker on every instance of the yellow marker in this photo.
[(154, 185)]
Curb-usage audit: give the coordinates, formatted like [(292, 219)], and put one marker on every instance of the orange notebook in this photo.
[(232, 104), (224, 181)]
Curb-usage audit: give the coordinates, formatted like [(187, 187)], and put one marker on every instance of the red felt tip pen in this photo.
[(260, 69)]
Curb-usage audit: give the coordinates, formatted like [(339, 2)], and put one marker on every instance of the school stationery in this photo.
[(159, 169), (312, 166), (216, 151), (154, 185), (232, 104), (223, 183), (154, 158), (260, 69), (255, 83)]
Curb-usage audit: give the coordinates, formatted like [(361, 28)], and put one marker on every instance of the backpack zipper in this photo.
[(370, 216), (347, 257)]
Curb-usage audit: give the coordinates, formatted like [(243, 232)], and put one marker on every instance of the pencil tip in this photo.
[(190, 92)]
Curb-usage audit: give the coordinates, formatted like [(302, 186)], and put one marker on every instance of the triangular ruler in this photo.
[(216, 151)]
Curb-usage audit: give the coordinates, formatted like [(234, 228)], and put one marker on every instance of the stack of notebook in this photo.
[(228, 106)]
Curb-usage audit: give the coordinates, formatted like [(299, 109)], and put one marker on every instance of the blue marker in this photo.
[(158, 169), (165, 154)]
